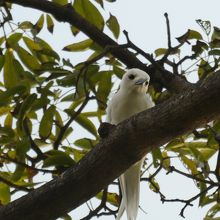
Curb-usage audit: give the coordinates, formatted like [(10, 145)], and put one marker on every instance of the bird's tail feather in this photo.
[(121, 210), (130, 187)]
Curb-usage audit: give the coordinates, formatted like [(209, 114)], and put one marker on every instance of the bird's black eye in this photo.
[(146, 83), (131, 76)]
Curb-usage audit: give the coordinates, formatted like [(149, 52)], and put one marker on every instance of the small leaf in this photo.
[(11, 78), (112, 198), (85, 143), (39, 25), (113, 25), (58, 158), (13, 39), (154, 186), (216, 34), (26, 25), (28, 60), (50, 24), (61, 2), (5, 97), (47, 122), (86, 9), (214, 52), (160, 51), (80, 46), (24, 110), (199, 47), (189, 35), (86, 123), (5, 196), (104, 88)]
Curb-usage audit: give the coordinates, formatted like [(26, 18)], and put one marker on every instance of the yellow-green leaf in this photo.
[(11, 78), (80, 46), (5, 196), (28, 60), (113, 25), (13, 39), (61, 2), (50, 24), (112, 198), (90, 12), (47, 122), (86, 123), (39, 25), (58, 158)]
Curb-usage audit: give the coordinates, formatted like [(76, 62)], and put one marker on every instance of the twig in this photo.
[(173, 169), (189, 201), (72, 118), (26, 166), (40, 154), (101, 205), (168, 30), (9, 183)]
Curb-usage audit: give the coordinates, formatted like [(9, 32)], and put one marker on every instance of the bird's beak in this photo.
[(141, 82)]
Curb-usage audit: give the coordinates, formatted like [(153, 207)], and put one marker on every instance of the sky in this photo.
[(144, 20)]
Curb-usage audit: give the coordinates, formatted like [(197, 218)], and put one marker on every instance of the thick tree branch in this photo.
[(126, 144), (68, 14)]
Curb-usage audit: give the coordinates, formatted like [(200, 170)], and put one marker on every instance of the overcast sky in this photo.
[(145, 22)]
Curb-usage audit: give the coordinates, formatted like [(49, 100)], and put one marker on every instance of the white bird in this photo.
[(130, 99)]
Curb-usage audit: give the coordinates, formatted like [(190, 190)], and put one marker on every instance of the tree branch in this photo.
[(68, 14), (127, 143)]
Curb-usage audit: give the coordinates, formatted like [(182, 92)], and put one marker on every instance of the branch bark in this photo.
[(126, 144), (67, 14)]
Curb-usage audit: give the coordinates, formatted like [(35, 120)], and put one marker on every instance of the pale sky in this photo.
[(145, 22)]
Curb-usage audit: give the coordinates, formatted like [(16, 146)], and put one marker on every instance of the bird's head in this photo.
[(135, 80)]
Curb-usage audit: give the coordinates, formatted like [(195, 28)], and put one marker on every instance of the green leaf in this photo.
[(190, 164), (104, 88), (58, 158), (24, 110), (118, 71), (154, 186), (112, 198), (86, 123), (189, 35), (80, 46), (50, 24), (214, 52), (47, 122), (2, 60), (61, 2), (11, 78), (5, 97), (28, 60), (8, 120), (160, 51), (216, 34), (90, 12), (5, 196), (199, 47), (85, 143), (13, 39), (113, 25), (39, 25), (4, 110), (26, 25)]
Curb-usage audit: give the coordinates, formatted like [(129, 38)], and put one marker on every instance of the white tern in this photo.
[(130, 99)]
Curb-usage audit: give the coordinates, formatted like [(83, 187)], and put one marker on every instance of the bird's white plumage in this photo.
[(130, 99)]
